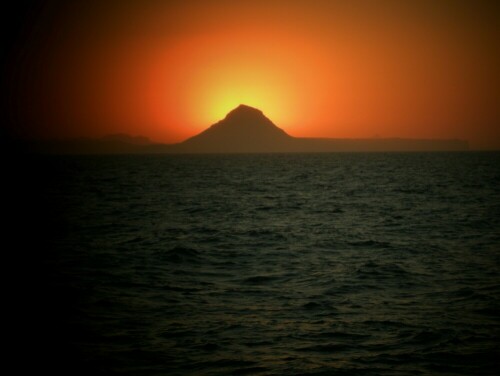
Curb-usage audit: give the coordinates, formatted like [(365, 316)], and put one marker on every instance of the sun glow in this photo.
[(233, 70), (230, 85)]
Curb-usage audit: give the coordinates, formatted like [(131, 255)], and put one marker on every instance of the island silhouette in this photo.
[(246, 129)]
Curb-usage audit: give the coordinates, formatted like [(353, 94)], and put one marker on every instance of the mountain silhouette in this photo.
[(247, 130), (244, 129)]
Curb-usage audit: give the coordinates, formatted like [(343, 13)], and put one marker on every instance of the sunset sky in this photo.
[(169, 69)]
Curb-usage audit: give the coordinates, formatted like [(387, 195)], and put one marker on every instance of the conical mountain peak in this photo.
[(244, 110), (244, 128), (249, 120)]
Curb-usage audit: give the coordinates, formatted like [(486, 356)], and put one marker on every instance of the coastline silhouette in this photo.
[(247, 130)]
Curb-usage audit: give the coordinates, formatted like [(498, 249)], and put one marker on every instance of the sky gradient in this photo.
[(169, 69)]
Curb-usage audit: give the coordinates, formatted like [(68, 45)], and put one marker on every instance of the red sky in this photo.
[(169, 69)]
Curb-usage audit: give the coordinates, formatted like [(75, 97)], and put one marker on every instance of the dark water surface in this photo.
[(321, 264)]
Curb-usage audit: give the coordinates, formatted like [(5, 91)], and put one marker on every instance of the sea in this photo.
[(267, 264)]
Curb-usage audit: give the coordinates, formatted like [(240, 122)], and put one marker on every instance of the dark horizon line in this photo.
[(104, 145), (110, 137)]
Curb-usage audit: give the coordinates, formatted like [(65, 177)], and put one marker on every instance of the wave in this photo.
[(180, 254)]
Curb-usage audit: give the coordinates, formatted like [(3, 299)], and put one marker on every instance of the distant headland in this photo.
[(246, 130)]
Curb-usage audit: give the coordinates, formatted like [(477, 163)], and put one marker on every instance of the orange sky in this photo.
[(169, 69)]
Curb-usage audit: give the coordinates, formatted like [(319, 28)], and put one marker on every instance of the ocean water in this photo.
[(279, 264)]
